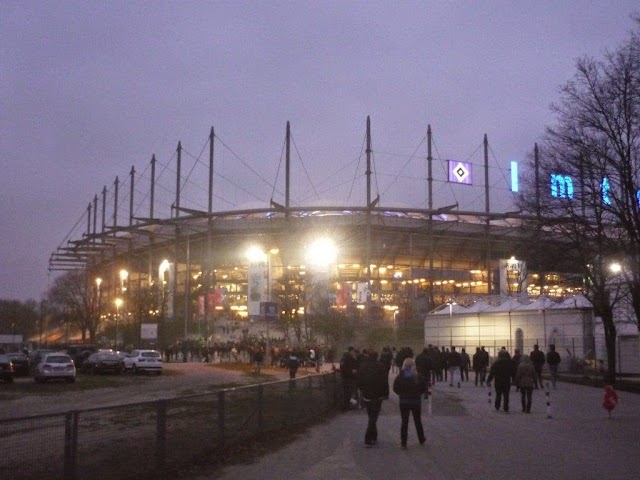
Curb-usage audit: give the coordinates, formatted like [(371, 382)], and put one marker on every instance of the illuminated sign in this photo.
[(605, 188), (514, 176), (460, 172), (561, 186)]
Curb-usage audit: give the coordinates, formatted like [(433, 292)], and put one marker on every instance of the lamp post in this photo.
[(118, 302)]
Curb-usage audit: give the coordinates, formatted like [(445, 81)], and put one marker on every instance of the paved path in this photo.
[(467, 439)]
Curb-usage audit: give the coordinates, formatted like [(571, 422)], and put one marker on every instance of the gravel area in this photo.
[(178, 379)]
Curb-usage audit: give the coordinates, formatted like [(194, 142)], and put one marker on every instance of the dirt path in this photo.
[(179, 379)]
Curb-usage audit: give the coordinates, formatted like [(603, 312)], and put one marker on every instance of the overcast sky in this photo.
[(90, 89)]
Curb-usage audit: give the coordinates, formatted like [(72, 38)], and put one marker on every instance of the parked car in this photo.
[(35, 356), (20, 364), (103, 362), (56, 365), (80, 352), (6, 368), (143, 361)]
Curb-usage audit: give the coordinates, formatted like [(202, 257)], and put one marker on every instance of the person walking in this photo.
[(373, 382), (455, 366), (501, 371), (258, 359), (348, 371), (537, 358), (525, 380), (410, 387), (465, 361), (423, 365), (610, 399), (293, 363), (553, 360)]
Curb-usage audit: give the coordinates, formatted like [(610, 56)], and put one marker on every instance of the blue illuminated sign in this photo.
[(605, 188), (514, 176), (561, 186)]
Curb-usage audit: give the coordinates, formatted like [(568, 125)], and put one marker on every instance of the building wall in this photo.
[(495, 330)]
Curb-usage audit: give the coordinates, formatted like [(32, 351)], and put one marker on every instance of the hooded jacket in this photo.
[(409, 386), (526, 374)]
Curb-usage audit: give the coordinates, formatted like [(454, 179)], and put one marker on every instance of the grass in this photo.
[(246, 369), (26, 386)]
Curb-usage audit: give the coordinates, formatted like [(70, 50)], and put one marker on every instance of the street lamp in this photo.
[(118, 302), (451, 302)]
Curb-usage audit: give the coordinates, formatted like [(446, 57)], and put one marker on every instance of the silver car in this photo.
[(56, 365)]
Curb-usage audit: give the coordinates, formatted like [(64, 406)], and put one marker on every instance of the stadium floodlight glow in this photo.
[(615, 268), (255, 254), (322, 252)]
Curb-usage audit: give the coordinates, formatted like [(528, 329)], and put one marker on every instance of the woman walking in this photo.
[(410, 387), (525, 381)]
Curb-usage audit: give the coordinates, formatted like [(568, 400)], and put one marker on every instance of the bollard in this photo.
[(548, 395)]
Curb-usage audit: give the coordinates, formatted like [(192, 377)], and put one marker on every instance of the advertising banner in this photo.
[(257, 286)]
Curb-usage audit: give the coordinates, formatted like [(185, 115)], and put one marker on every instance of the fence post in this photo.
[(260, 410), (161, 434), (221, 394), (70, 444)]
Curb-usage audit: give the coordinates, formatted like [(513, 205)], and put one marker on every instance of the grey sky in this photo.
[(88, 89)]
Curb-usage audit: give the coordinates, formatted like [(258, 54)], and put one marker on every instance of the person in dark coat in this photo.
[(410, 387), (423, 365), (434, 360), (537, 358), (516, 359), (293, 364), (525, 380), (373, 382), (454, 362), (465, 362), (553, 360), (501, 371), (348, 371)]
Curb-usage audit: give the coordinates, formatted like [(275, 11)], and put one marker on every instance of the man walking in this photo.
[(348, 370), (501, 371), (454, 366), (373, 382), (553, 360), (537, 358)]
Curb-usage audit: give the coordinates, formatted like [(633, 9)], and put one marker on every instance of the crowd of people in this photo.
[(365, 379)]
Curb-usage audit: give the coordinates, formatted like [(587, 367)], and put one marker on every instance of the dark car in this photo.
[(20, 364), (6, 369), (80, 352), (103, 362)]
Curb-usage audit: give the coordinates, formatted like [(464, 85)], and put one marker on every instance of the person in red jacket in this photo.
[(610, 399)]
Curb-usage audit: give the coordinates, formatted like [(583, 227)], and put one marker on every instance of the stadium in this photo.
[(169, 253)]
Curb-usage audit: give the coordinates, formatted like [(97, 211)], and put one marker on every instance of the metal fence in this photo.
[(143, 440)]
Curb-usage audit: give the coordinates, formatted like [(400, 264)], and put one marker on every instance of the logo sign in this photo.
[(460, 172), (149, 331), (269, 310)]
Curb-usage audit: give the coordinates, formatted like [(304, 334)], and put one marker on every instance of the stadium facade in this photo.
[(390, 264)]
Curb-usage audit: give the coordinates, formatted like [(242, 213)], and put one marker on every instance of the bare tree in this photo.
[(73, 295), (591, 159)]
